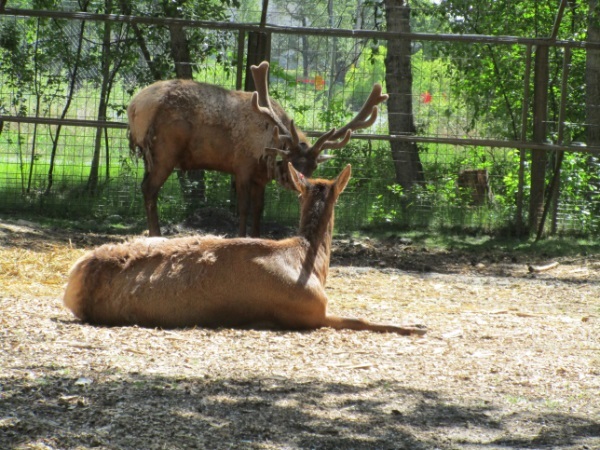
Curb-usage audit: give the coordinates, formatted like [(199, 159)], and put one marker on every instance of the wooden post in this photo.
[(259, 48)]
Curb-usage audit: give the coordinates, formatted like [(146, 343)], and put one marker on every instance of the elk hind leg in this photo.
[(151, 185), (242, 188), (257, 197)]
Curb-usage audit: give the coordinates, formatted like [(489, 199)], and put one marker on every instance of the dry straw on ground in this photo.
[(512, 360)]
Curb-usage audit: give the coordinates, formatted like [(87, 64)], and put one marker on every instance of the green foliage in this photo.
[(474, 90), (10, 39), (489, 78), (374, 58)]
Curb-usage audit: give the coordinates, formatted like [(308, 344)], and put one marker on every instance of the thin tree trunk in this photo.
[(38, 99), (114, 58), (125, 6), (103, 104), (407, 163), (33, 142), (117, 62), (334, 44), (107, 155), (71, 91), (305, 50)]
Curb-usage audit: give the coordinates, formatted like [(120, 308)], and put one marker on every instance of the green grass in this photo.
[(367, 204)]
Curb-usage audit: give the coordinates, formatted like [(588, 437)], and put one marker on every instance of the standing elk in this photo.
[(216, 282), (190, 125)]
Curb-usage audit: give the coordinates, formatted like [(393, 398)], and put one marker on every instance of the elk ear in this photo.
[(342, 179), (298, 180)]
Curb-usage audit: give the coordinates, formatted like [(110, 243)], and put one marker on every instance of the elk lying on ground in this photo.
[(210, 281), (189, 125)]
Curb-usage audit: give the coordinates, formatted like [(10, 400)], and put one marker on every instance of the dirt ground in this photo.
[(511, 360)]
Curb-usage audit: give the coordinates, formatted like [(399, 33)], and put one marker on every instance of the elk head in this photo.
[(291, 143)]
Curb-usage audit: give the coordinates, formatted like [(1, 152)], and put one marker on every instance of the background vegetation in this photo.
[(74, 69)]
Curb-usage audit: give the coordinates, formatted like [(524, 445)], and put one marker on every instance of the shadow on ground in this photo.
[(152, 412), (493, 257)]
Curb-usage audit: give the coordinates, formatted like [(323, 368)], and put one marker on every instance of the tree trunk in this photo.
[(139, 37), (539, 158), (333, 72), (180, 52), (305, 50), (592, 97), (72, 82), (259, 50), (38, 100), (407, 162), (103, 104), (592, 76)]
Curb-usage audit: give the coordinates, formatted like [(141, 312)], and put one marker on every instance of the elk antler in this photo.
[(365, 118), (261, 102), (260, 74), (318, 145), (268, 111), (327, 141)]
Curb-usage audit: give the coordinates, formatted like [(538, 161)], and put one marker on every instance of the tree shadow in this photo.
[(489, 257), (500, 257), (151, 412)]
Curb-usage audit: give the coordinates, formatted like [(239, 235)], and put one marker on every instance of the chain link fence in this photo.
[(67, 77)]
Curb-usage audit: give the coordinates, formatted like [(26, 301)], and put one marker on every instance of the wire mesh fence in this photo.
[(65, 87)]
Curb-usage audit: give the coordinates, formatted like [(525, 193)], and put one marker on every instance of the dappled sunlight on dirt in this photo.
[(511, 360)]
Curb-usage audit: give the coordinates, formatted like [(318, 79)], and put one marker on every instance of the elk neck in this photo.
[(316, 227)]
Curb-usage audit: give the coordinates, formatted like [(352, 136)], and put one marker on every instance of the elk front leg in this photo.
[(258, 203)]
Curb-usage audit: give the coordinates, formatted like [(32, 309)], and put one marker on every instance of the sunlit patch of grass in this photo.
[(38, 273), (516, 400)]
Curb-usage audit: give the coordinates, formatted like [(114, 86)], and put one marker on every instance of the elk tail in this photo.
[(141, 146)]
